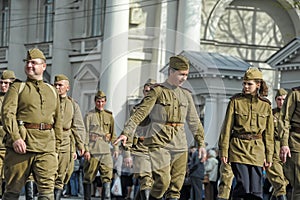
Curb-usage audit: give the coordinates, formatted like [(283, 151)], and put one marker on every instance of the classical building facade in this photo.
[(116, 45)]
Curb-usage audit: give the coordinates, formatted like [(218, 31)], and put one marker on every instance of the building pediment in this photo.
[(288, 57)]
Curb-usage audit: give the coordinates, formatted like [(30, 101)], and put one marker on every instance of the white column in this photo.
[(18, 35), (188, 26), (113, 78), (61, 40), (211, 128)]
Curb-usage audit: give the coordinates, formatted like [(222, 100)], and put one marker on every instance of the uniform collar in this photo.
[(35, 81), (168, 85)]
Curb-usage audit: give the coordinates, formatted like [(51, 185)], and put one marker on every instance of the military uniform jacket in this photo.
[(2, 132), (167, 104), (37, 103), (72, 124), (291, 118), (247, 114), (100, 123)]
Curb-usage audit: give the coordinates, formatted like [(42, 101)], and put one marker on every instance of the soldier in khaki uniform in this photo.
[(100, 132), (275, 172), (169, 106), (73, 129), (33, 124), (289, 129), (7, 78), (247, 136)]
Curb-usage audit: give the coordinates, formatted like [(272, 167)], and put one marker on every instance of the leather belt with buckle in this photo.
[(247, 136), (41, 126)]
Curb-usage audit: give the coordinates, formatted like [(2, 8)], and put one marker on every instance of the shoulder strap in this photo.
[(53, 90), (21, 88)]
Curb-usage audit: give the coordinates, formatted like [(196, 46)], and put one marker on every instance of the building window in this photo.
[(4, 23), (48, 20), (94, 11)]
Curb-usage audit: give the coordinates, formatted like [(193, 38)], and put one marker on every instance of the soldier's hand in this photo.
[(224, 160), (19, 146), (87, 155), (267, 164), (202, 154), (121, 138), (74, 156), (284, 152)]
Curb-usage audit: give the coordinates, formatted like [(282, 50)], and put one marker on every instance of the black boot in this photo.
[(106, 191), (87, 187), (57, 194), (172, 199), (281, 197), (145, 194), (29, 190)]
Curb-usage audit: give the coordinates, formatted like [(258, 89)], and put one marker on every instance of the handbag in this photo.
[(206, 178), (116, 189)]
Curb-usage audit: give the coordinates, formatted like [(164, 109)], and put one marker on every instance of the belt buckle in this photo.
[(42, 126)]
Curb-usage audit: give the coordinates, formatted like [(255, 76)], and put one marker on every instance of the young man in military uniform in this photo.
[(7, 78), (169, 106), (275, 172), (73, 129), (100, 132), (33, 124), (289, 130)]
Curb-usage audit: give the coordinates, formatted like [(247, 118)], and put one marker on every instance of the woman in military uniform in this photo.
[(247, 136)]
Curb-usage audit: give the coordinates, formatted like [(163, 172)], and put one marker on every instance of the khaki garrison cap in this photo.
[(281, 92), (100, 94), (179, 62), (253, 73), (34, 54), (149, 82), (60, 77), (8, 74)]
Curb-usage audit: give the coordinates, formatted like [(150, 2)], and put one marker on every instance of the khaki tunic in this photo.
[(37, 103), (73, 127), (290, 119), (247, 114), (101, 124), (166, 104)]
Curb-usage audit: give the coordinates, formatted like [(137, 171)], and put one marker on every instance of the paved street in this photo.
[(70, 198)]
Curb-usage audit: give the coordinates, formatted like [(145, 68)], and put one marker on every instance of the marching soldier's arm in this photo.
[(141, 112), (58, 123), (286, 114), (78, 128), (195, 123), (86, 138), (226, 130), (9, 112)]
